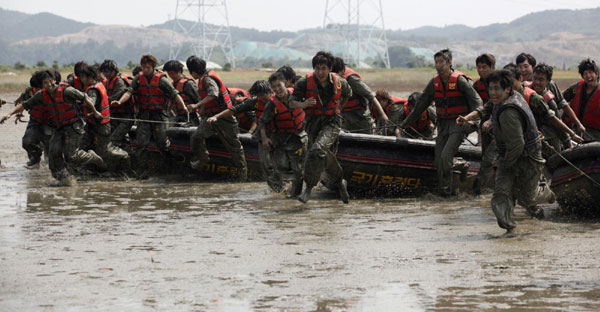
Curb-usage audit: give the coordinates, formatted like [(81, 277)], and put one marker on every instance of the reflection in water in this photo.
[(169, 244)]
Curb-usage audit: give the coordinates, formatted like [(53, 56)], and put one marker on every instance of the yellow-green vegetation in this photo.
[(396, 79)]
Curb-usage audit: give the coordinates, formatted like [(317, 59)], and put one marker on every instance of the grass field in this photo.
[(397, 80)]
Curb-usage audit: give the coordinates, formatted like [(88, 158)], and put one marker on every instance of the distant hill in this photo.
[(18, 26), (557, 37)]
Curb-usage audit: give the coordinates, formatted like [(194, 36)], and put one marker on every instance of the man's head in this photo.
[(542, 74), (513, 69), (486, 64), (109, 69), (136, 70), (413, 99), (277, 83), (56, 74), (383, 97), (46, 78), (148, 63), (443, 61), (35, 83), (526, 63), (290, 75), (500, 85), (174, 69), (322, 63), (87, 75), (589, 71), (78, 66), (261, 90), (338, 65), (196, 66)]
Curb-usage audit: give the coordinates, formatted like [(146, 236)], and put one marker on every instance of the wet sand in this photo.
[(170, 245)]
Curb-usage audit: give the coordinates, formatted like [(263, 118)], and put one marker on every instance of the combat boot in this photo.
[(343, 190), (535, 212), (296, 189), (243, 174), (305, 196), (96, 160)]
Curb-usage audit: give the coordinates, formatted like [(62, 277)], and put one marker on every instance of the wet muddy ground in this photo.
[(170, 245)]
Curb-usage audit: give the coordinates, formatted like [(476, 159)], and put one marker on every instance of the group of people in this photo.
[(520, 113)]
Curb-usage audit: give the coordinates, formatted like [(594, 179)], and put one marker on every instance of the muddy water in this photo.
[(171, 245)]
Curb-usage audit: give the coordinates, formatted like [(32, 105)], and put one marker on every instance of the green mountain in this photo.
[(19, 26)]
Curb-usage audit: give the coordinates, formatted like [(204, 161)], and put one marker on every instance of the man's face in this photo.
[(174, 75), (526, 70), (264, 97), (147, 69), (441, 65), (590, 77), (289, 83), (87, 80), (321, 71), (484, 70), (49, 84), (279, 87), (109, 74), (540, 81), (497, 93)]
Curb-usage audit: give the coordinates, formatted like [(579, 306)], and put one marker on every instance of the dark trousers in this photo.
[(65, 147), (323, 132), (36, 140)]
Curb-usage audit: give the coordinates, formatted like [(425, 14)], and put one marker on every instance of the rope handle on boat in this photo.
[(570, 163)]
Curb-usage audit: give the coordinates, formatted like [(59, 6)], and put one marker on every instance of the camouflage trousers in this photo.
[(97, 138), (358, 121), (323, 132), (36, 140), (489, 154), (450, 137), (286, 154), (520, 182), (226, 130), (65, 146), (120, 129)]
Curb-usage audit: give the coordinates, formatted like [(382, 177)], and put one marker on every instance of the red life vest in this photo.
[(287, 120), (591, 115), (239, 92), (39, 114), (355, 102), (482, 90), (110, 88), (331, 108), (527, 93), (449, 102), (63, 113), (150, 96), (422, 123), (186, 99), (222, 102), (104, 106), (77, 83)]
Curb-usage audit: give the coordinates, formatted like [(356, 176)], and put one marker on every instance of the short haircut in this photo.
[(148, 59), (544, 69), (108, 66), (288, 72), (338, 65), (196, 65), (277, 76), (322, 58), (446, 54), (514, 70), (43, 75), (382, 94), (136, 70), (34, 80), (413, 98), (78, 66), (173, 65), (57, 77), (88, 71), (260, 87), (486, 58), (587, 64), (504, 77), (526, 57)]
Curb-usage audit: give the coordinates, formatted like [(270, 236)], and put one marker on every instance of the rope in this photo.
[(149, 121), (571, 164)]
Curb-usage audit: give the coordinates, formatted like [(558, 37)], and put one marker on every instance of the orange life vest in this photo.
[(104, 106), (222, 102), (287, 120), (62, 113), (77, 83), (355, 102), (126, 107), (150, 96), (179, 85), (449, 101), (331, 108), (239, 92), (591, 116)]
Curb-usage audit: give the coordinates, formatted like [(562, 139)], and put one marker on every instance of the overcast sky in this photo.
[(300, 14)]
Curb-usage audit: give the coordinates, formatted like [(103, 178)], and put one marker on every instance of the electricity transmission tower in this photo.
[(360, 24), (205, 26)]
